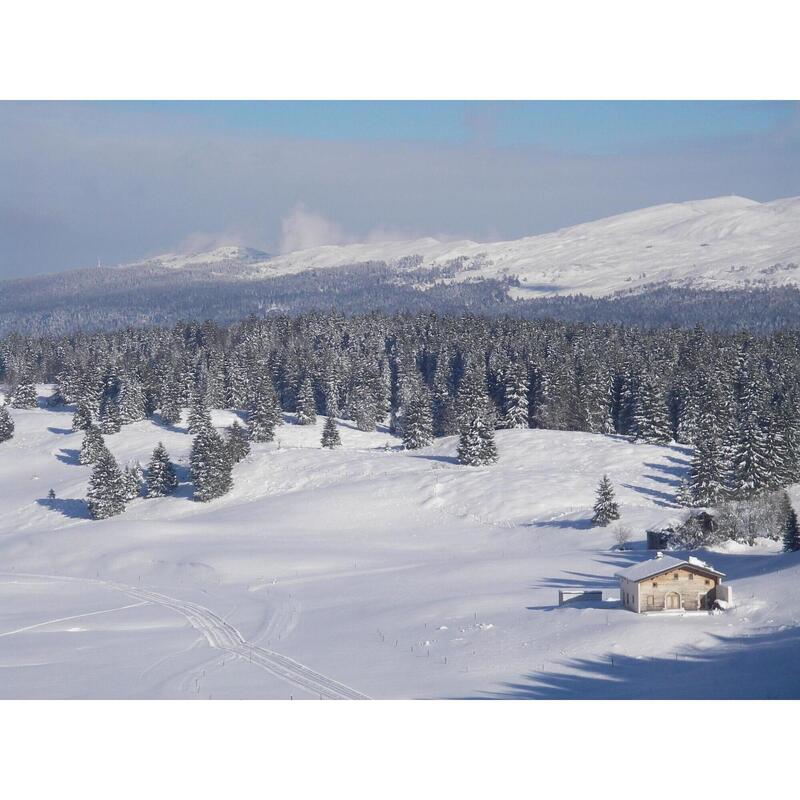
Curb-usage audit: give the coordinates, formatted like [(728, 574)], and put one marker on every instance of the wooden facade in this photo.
[(668, 584)]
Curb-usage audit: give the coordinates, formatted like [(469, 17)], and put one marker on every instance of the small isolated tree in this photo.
[(106, 494), (622, 536), (605, 507), (330, 434), (161, 477), (92, 446), (791, 533), (6, 425), (238, 442), (306, 405)]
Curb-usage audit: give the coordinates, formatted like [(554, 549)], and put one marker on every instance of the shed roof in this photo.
[(659, 564)]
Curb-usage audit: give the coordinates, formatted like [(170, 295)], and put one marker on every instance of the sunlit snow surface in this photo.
[(366, 571)]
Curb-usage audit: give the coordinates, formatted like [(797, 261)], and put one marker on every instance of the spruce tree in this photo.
[(211, 465), (238, 442), (650, 420), (170, 404), (199, 415), (264, 414), (515, 397), (417, 418), (110, 419), (82, 418), (476, 447), (107, 490), (132, 479), (330, 434), (24, 395), (706, 482), (605, 507), (161, 477), (791, 533), (6, 425), (92, 447), (131, 399), (306, 405)]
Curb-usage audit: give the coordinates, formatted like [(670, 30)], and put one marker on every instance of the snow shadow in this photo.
[(664, 499), (167, 426), (67, 507), (441, 459), (69, 455), (582, 524), (677, 472), (62, 431), (761, 666), (579, 580)]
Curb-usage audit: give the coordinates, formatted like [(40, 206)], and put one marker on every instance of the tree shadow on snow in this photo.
[(441, 459), (664, 499), (69, 455), (67, 507), (677, 471), (62, 431), (168, 426), (580, 580), (580, 524), (760, 666)]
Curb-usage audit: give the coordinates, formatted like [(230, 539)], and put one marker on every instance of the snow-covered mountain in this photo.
[(718, 243)]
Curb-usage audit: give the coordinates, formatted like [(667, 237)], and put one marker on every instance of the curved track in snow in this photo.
[(224, 636)]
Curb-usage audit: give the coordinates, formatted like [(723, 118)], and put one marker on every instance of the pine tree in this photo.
[(330, 434), (110, 419), (515, 397), (211, 465), (238, 442), (264, 414), (170, 404), (161, 477), (417, 418), (650, 420), (476, 447), (131, 399), (605, 507), (6, 425), (706, 481), (92, 447), (24, 395), (306, 405), (791, 533), (106, 493), (199, 415), (132, 479), (82, 418)]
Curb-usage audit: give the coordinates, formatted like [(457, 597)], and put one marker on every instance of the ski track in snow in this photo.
[(221, 635)]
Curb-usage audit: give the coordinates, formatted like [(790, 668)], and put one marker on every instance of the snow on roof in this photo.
[(662, 563)]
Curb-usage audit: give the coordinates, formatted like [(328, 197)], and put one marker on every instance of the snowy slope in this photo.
[(364, 571), (718, 243)]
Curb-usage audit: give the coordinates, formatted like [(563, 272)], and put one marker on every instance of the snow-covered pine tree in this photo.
[(650, 419), (605, 507), (6, 424), (238, 442), (24, 395), (170, 403), (306, 405), (107, 491), (264, 413), (442, 401), (515, 397), (751, 468), (110, 419), (133, 479), (791, 532), (330, 434), (417, 419), (161, 477), (92, 447), (706, 481), (131, 399), (82, 418), (476, 447), (199, 415), (211, 465)]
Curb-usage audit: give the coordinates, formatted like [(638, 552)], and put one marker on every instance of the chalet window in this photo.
[(691, 576), (708, 583), (655, 585), (675, 576)]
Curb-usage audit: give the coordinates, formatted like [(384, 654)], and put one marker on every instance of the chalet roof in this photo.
[(661, 563)]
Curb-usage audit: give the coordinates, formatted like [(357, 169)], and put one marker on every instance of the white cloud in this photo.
[(302, 229)]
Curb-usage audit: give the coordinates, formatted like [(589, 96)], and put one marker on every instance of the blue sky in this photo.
[(123, 180)]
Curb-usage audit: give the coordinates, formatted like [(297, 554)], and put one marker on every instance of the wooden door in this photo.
[(673, 600)]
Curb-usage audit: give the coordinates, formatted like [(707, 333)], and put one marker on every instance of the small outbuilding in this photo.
[(665, 583)]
